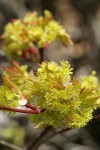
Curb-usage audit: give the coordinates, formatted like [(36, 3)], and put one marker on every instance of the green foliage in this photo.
[(8, 97), (34, 30), (67, 102)]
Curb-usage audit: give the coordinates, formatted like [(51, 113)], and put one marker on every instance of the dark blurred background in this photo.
[(81, 19)]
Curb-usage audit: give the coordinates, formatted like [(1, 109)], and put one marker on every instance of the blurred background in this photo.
[(81, 19)]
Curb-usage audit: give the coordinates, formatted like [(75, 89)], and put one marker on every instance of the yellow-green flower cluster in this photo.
[(33, 30), (66, 101)]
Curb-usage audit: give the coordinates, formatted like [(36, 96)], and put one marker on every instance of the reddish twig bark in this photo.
[(31, 106), (20, 110), (35, 108)]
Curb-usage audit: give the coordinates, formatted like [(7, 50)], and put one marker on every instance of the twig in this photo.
[(9, 145), (39, 110), (63, 130), (41, 51), (20, 110), (44, 136), (31, 106)]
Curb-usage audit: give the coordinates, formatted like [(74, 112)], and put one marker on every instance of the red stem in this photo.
[(30, 106), (20, 110), (39, 110)]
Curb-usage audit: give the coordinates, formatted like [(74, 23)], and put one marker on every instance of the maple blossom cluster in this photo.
[(24, 38), (53, 96)]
